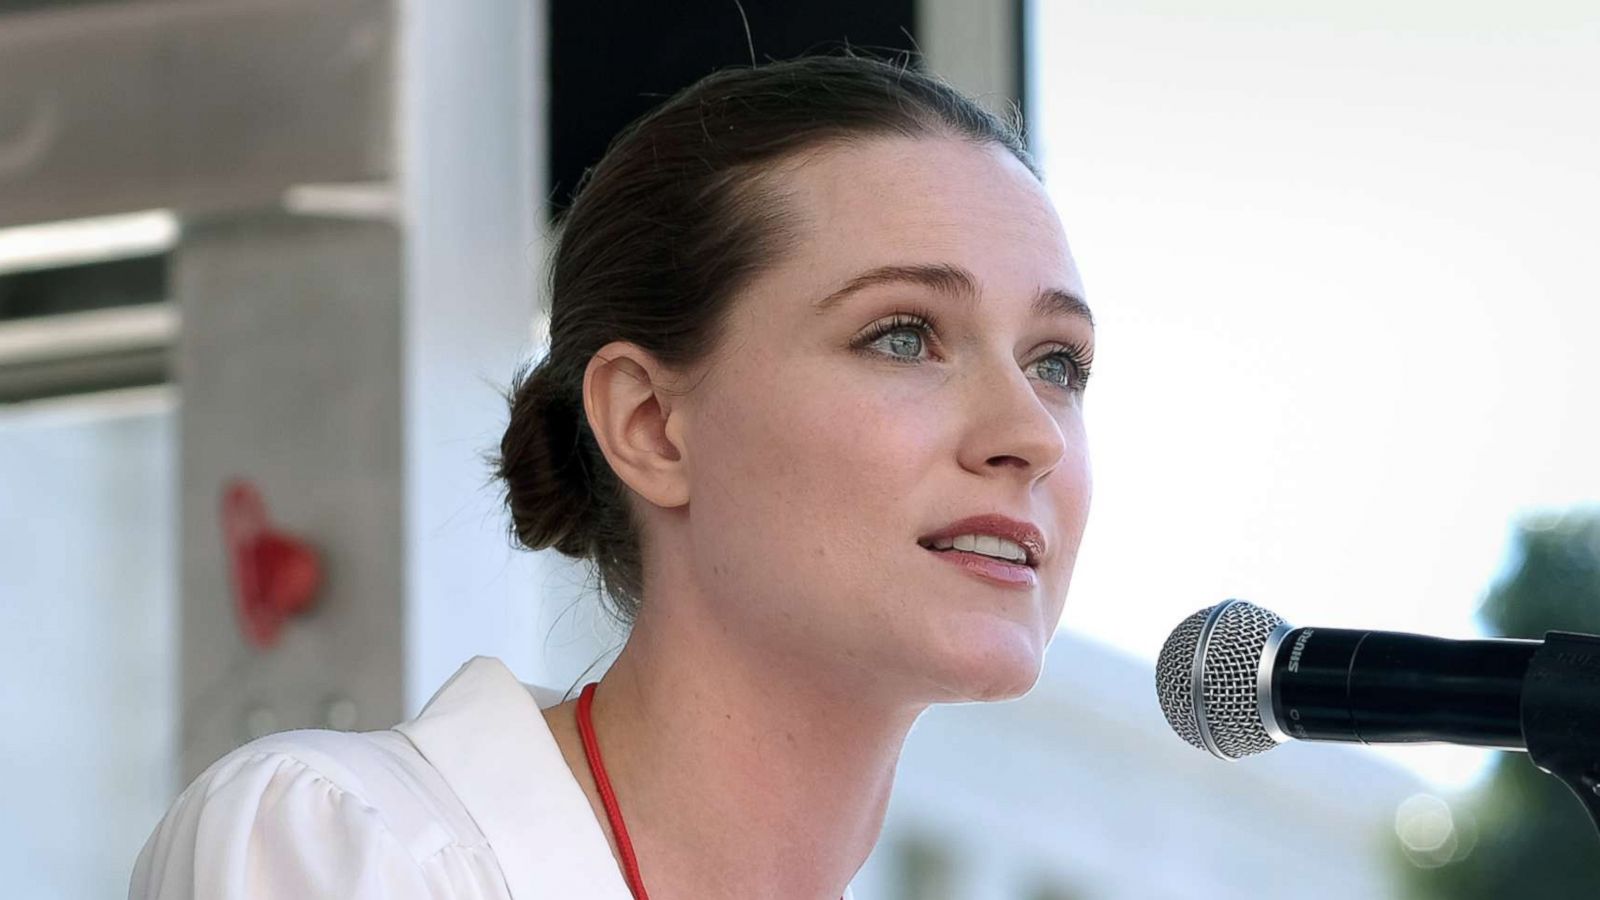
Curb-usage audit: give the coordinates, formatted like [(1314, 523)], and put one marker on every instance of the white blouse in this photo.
[(471, 800)]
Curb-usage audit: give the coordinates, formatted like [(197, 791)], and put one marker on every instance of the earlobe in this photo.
[(631, 414)]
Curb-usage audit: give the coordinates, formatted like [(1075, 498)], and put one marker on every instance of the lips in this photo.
[(1028, 536)]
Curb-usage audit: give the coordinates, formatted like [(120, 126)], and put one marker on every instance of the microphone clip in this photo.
[(1561, 713)]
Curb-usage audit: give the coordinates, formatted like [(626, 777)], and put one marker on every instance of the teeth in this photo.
[(986, 544)]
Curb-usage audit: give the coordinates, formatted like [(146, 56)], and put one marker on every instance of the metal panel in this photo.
[(199, 106)]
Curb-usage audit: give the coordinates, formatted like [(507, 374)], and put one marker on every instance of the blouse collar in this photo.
[(484, 732)]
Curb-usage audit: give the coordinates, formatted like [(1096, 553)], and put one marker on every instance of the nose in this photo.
[(1010, 426)]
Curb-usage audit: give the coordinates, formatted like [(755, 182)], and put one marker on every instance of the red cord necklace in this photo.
[(591, 751)]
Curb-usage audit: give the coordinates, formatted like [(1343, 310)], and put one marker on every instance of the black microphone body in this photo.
[(1379, 687)]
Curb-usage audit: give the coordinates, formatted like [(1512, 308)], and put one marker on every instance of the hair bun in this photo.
[(541, 462)]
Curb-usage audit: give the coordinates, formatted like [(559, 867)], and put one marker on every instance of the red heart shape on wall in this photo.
[(275, 574)]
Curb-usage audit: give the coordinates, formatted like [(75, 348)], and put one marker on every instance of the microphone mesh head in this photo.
[(1227, 640)]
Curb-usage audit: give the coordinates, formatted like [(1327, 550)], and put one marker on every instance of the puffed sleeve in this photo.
[(266, 826)]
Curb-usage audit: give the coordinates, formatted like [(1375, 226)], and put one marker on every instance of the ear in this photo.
[(631, 411)]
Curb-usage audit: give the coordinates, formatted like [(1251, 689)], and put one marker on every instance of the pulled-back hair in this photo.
[(662, 233)]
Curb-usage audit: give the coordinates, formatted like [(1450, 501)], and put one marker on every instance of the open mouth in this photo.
[(993, 545), (999, 571), (998, 550)]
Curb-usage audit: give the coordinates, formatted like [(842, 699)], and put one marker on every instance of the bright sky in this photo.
[(1343, 262)]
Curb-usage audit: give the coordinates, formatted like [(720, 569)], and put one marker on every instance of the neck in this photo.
[(739, 771)]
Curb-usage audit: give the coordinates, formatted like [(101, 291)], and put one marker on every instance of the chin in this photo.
[(1009, 686), (1000, 662)]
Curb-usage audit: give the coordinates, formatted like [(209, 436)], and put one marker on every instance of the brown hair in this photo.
[(661, 235)]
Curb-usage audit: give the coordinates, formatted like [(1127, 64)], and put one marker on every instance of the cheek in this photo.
[(814, 481), (1074, 477), (1071, 488)]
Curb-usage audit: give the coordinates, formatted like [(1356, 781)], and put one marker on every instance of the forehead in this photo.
[(911, 201)]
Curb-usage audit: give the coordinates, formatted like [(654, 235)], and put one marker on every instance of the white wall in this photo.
[(472, 153), (88, 635)]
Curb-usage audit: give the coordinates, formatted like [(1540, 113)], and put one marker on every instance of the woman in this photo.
[(813, 408)]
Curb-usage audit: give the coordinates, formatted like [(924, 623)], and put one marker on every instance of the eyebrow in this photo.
[(957, 282)]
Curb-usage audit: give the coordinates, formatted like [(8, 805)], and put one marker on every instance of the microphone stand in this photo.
[(1561, 713)]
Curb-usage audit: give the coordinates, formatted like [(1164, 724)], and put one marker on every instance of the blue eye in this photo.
[(903, 337), (904, 343), (1066, 361), (1064, 365)]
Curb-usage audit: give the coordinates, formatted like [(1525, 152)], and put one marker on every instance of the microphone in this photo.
[(1235, 680)]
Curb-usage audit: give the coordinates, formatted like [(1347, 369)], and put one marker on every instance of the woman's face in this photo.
[(821, 452)]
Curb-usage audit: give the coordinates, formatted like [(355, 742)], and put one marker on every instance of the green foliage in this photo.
[(1534, 839)]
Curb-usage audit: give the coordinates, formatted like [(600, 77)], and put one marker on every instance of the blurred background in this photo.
[(1341, 257)]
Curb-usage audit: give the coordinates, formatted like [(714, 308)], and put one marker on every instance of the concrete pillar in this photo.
[(289, 368)]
